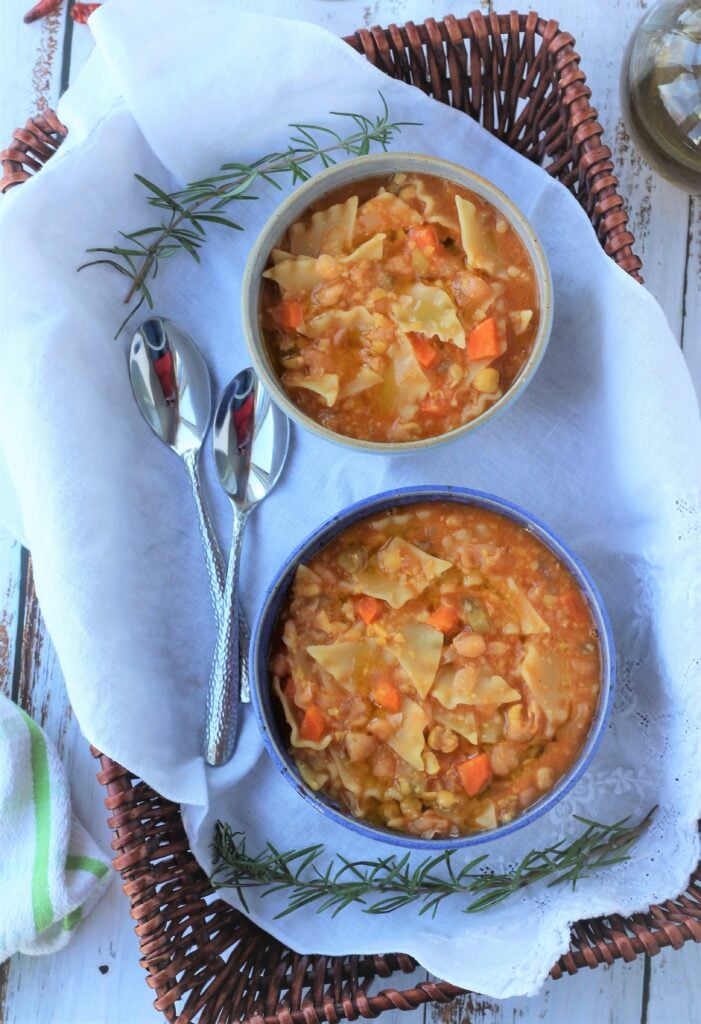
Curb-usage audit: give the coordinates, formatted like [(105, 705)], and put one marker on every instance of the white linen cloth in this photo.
[(604, 446), (51, 872)]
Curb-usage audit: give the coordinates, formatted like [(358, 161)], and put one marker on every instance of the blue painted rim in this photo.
[(263, 697)]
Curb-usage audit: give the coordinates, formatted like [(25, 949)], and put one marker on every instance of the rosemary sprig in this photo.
[(389, 883), (191, 210)]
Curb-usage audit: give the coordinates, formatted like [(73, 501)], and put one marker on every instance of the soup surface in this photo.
[(402, 309), (437, 669)]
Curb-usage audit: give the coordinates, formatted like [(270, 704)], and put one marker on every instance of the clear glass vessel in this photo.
[(661, 91)]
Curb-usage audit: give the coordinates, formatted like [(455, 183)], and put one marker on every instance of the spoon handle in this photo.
[(222, 699), (216, 568)]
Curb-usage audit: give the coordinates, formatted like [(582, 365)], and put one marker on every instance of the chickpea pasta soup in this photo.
[(437, 669), (399, 309)]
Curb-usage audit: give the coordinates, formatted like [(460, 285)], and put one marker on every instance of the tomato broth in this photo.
[(399, 308), (438, 669)]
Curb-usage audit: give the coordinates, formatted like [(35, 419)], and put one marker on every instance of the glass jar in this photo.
[(661, 91)]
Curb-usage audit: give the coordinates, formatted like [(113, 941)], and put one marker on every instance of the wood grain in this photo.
[(659, 213), (608, 994), (672, 995), (30, 68), (10, 589), (691, 331)]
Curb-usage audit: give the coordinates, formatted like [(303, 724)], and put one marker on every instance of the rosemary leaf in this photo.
[(199, 202), (390, 883)]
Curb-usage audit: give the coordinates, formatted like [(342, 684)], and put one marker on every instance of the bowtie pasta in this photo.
[(437, 669), (400, 310)]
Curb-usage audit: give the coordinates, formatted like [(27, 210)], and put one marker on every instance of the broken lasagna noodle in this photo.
[(437, 669), (400, 310)]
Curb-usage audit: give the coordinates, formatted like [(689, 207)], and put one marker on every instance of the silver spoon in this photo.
[(172, 388), (250, 439)]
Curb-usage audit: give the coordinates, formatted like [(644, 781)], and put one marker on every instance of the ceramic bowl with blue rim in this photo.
[(266, 704)]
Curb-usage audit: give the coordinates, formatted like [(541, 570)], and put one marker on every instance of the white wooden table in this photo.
[(97, 978)]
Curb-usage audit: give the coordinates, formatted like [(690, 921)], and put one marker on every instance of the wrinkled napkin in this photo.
[(604, 446), (53, 872)]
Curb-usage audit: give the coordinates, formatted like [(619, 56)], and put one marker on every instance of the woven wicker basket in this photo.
[(520, 77)]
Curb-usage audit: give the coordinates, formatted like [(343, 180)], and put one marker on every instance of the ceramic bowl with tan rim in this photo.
[(395, 302)]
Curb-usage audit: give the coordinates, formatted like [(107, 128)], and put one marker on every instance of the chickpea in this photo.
[(487, 380), (470, 645), (396, 823), (544, 778), (359, 746), (327, 267), (431, 765), (527, 796), (390, 809), (504, 758), (445, 799), (384, 728), (442, 739), (358, 718), (353, 559), (429, 821), (383, 764), (519, 725), (410, 806), (328, 294)]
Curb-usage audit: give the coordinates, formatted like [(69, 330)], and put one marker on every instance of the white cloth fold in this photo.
[(51, 872), (604, 446)]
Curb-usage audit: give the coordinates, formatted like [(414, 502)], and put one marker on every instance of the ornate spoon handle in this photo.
[(222, 699), (216, 567), (214, 560)]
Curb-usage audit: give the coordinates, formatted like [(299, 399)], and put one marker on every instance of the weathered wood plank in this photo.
[(10, 589), (658, 211), (402, 982), (608, 994), (30, 68), (674, 992), (691, 327)]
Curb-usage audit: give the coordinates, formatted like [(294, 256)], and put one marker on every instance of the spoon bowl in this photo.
[(171, 384), (250, 438)]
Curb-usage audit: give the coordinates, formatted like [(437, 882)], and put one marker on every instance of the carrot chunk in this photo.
[(386, 695), (368, 609), (424, 237), (423, 349), (483, 342), (313, 724), (444, 618), (475, 774), (291, 314)]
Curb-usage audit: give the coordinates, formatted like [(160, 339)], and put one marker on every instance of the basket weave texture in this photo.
[(520, 76)]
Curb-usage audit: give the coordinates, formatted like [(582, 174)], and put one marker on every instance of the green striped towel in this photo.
[(51, 871)]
